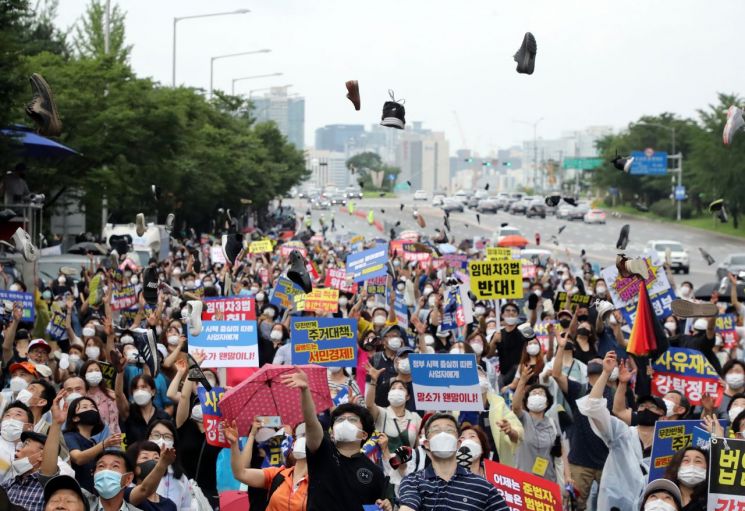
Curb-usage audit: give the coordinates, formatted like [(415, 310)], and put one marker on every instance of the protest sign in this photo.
[(688, 372), (577, 300), (260, 247), (529, 271), (211, 415), (286, 249), (320, 300), (368, 263), (108, 372), (25, 299), (625, 291), (523, 491), (228, 337), (670, 437), (452, 316), (123, 297), (459, 261), (725, 326), (446, 382), (56, 326), (337, 278), (498, 253), (324, 341), (377, 286), (492, 280), (402, 311), (726, 475), (541, 333), (216, 255), (284, 293)]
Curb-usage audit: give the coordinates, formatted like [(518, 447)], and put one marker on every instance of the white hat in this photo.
[(700, 324)]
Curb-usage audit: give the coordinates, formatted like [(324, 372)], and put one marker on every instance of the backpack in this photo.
[(277, 481)]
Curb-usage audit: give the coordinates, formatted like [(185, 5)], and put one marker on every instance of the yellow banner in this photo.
[(320, 300), (492, 280), (498, 253), (260, 247)]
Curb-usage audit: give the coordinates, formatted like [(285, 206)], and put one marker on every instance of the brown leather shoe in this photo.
[(631, 267), (353, 93), (42, 109)]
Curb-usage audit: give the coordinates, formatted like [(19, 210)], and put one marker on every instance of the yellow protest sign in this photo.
[(260, 247), (357, 239), (498, 253), (492, 280), (320, 300)]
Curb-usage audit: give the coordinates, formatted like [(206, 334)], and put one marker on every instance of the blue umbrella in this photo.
[(36, 146)]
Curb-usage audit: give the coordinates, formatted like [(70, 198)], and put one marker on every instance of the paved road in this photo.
[(599, 241)]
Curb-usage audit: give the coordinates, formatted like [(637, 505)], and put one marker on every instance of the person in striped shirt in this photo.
[(445, 485)]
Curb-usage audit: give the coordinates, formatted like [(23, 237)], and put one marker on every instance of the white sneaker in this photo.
[(195, 317), (169, 222), (23, 244), (140, 226), (603, 308)]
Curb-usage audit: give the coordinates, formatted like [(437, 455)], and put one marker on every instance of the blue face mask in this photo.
[(107, 483)]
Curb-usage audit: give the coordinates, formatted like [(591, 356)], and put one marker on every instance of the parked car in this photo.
[(594, 216), (487, 206), (507, 230), (578, 212), (420, 195), (437, 200), (49, 266), (536, 207), (449, 204), (733, 263), (679, 260)]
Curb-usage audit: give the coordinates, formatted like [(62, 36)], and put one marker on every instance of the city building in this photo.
[(424, 159), (328, 169), (341, 138), (286, 110)]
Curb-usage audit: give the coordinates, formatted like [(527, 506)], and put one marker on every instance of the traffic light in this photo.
[(507, 164), (468, 160), (486, 164)]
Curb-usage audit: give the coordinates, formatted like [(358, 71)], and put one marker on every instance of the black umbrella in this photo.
[(704, 292), (87, 247)]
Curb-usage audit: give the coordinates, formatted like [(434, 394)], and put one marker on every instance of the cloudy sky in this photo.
[(600, 62)]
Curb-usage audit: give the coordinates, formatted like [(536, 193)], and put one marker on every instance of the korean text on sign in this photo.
[(669, 438), (337, 278), (446, 382), (229, 335), (211, 416), (523, 491), (330, 342), (726, 475), (725, 326), (368, 263), (688, 372), (260, 247), (498, 253), (123, 297), (321, 300), (25, 299), (229, 309), (492, 280), (284, 293)]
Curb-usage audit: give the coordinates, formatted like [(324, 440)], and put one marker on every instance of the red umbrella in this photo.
[(513, 240), (233, 500), (263, 393)]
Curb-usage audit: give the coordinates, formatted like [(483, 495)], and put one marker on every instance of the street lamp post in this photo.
[(679, 157), (535, 147), (213, 59), (176, 20), (232, 87)]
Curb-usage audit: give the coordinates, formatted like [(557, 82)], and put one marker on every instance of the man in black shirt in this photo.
[(509, 344), (702, 339), (340, 477)]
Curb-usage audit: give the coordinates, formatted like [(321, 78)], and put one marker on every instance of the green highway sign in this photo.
[(582, 163)]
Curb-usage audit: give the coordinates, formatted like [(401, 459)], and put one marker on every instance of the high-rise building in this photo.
[(424, 159), (328, 169), (287, 112), (342, 138)]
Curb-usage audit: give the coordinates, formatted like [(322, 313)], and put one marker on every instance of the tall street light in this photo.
[(671, 129), (535, 147), (176, 20), (232, 88), (213, 59)]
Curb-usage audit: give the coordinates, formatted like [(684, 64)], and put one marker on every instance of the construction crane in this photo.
[(460, 129)]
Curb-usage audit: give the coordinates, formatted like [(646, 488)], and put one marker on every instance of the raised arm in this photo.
[(150, 483), (51, 447), (374, 374), (173, 388), (619, 399), (313, 428), (557, 372), (240, 461), (517, 400), (10, 333)]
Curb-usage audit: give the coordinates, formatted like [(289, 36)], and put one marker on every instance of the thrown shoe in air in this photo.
[(525, 56), (42, 108), (394, 113)]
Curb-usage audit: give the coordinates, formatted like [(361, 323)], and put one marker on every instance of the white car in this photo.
[(420, 195), (437, 200), (507, 230), (594, 216), (679, 260)]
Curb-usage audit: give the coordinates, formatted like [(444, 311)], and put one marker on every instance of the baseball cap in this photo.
[(663, 485), (63, 482), (404, 350), (657, 401), (393, 329), (28, 366), (564, 312), (39, 342), (33, 435)]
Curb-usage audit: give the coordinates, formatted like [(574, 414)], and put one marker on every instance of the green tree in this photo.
[(362, 166), (90, 34)]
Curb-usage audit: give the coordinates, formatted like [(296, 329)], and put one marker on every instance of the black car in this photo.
[(536, 208)]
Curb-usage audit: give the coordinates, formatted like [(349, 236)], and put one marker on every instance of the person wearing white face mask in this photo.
[(16, 419), (174, 484), (477, 343), (143, 412), (541, 444), (384, 362), (399, 424), (267, 347), (734, 376), (661, 495), (279, 336), (532, 355), (25, 484), (508, 343), (688, 469), (342, 386), (341, 478), (424, 489), (287, 486), (110, 403)]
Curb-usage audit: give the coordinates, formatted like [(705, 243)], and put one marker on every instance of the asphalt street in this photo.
[(599, 241)]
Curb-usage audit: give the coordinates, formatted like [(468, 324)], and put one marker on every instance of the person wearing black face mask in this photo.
[(508, 343), (565, 319), (584, 341), (151, 463)]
